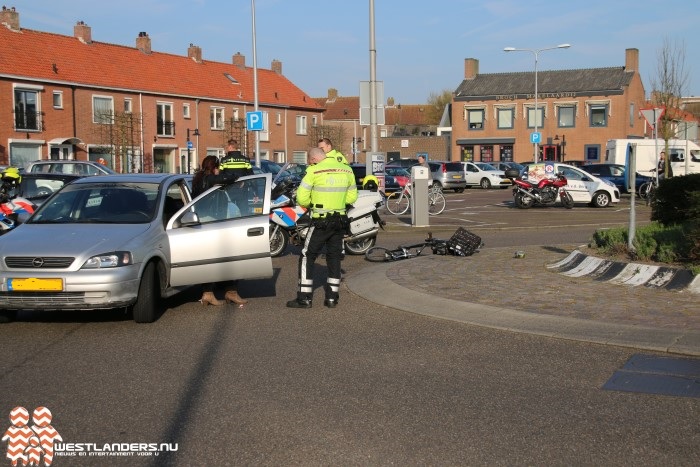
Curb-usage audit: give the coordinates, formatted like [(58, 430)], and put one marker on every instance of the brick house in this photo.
[(492, 115), (71, 97), (406, 131)]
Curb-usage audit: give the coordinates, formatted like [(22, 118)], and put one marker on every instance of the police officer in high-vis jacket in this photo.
[(235, 162), (326, 189)]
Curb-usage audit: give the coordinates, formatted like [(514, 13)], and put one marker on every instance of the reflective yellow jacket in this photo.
[(337, 155), (327, 187)]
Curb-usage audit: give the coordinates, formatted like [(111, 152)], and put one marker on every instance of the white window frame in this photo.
[(165, 108), (186, 111), (236, 114), (301, 125), (101, 120), (58, 95), (314, 121), (265, 132), (216, 118), (279, 118), (128, 105)]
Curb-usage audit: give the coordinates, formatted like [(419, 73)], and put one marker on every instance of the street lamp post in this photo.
[(536, 53), (189, 144)]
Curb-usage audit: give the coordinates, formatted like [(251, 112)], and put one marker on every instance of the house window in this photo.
[(128, 105), (186, 111), (507, 153), (216, 118), (27, 115), (383, 133), (102, 109), (599, 115), (567, 116), (591, 152), (235, 114), (314, 121), (632, 115), (58, 99), (279, 118), (164, 119), (301, 124), (265, 133), (476, 119), (505, 118), (531, 117)]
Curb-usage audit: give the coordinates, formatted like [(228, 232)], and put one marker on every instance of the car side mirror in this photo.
[(189, 218)]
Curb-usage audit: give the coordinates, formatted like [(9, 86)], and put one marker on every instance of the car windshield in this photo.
[(485, 166), (103, 203)]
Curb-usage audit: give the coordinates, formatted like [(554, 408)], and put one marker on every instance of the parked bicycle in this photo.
[(399, 202), (647, 190), (462, 243)]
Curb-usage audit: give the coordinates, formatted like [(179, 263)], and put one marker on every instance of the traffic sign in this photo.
[(254, 120), (535, 137), (190, 145), (652, 115)]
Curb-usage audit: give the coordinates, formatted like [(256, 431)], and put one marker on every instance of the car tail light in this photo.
[(444, 168)]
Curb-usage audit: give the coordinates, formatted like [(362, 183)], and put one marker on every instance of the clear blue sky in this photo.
[(421, 46)]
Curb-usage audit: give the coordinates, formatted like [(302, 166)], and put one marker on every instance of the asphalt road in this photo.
[(360, 384)]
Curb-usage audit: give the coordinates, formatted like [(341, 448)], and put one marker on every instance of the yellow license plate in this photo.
[(456, 176), (33, 284)]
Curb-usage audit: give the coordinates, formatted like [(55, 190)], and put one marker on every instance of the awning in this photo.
[(66, 140)]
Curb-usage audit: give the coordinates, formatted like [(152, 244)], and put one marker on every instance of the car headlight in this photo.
[(109, 260), (608, 182)]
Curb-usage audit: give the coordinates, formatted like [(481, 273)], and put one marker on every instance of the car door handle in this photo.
[(256, 231)]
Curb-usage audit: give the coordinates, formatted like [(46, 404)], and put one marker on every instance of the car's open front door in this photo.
[(223, 234)]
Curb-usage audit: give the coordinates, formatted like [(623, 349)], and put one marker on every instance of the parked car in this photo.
[(360, 171), (448, 175), (37, 187), (507, 165), (70, 167), (615, 173), (402, 175), (583, 187), (405, 163), (130, 240), (484, 175)]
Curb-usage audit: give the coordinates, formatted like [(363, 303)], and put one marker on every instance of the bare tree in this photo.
[(335, 133), (667, 89), (119, 135), (436, 105)]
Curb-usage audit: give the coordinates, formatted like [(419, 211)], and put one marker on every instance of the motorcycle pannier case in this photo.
[(463, 242), (512, 173)]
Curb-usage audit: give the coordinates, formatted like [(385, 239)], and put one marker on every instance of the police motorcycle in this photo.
[(289, 222), (11, 205)]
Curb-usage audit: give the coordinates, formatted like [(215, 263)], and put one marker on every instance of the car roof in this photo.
[(131, 178)]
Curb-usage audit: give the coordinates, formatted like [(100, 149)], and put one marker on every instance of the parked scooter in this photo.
[(544, 193), (289, 222)]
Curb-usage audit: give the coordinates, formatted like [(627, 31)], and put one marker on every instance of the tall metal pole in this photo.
[(536, 53), (374, 141), (255, 86)]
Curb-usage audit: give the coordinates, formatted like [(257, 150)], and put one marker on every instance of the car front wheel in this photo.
[(601, 199), (485, 183), (145, 310)]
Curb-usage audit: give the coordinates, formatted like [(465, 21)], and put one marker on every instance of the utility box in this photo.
[(420, 178)]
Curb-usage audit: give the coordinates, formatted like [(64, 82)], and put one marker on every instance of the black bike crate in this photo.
[(464, 243)]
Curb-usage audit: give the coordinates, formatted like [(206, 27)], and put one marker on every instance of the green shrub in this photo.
[(677, 200)]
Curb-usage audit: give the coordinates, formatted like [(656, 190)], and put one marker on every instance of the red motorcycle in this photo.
[(544, 193)]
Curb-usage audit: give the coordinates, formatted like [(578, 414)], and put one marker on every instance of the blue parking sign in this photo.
[(254, 120), (535, 137)]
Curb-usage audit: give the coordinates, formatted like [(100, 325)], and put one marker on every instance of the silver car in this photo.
[(130, 240)]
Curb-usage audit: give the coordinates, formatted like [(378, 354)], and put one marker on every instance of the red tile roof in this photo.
[(35, 55)]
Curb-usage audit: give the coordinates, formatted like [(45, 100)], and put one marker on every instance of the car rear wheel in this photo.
[(601, 199), (485, 183), (145, 310)]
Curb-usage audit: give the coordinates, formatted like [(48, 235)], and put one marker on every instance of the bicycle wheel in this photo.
[(378, 254), (397, 203), (643, 190), (436, 203)]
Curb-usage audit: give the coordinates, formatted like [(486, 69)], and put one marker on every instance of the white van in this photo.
[(683, 154)]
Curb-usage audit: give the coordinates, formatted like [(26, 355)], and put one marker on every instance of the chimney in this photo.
[(632, 60), (195, 53), (82, 32), (143, 43), (276, 66), (332, 93), (10, 18), (390, 102), (471, 68), (239, 60)]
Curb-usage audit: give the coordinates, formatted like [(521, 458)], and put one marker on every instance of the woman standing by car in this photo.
[(208, 176)]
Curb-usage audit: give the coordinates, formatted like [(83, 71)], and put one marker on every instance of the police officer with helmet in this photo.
[(326, 189)]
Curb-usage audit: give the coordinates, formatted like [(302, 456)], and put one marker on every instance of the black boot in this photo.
[(299, 303), (331, 302)]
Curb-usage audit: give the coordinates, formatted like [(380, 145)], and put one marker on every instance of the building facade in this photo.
[(493, 115), (71, 97)]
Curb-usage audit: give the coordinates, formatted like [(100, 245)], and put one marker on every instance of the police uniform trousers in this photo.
[(317, 237)]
